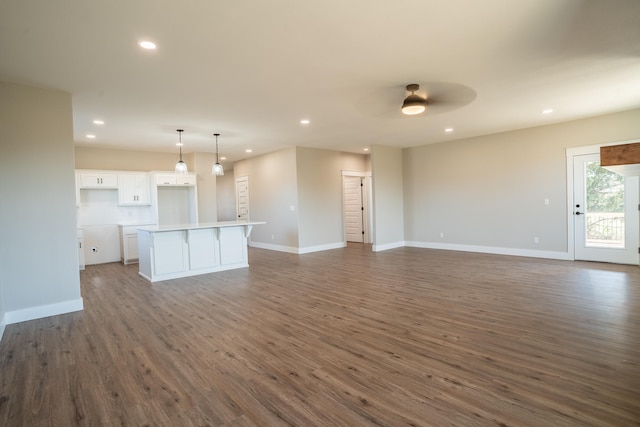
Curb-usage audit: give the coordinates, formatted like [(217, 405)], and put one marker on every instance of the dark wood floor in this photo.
[(343, 337)]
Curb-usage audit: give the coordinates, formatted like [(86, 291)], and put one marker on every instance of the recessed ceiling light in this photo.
[(448, 130), (91, 136), (98, 122), (223, 158), (547, 111), (248, 150), (366, 149), (146, 44), (305, 121)]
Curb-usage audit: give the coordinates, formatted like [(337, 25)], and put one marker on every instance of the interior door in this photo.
[(605, 213), (353, 208), (242, 198)]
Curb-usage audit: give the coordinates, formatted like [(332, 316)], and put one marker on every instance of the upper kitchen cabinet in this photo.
[(97, 179), (134, 189), (164, 179)]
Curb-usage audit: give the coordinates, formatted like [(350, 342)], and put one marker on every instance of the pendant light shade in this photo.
[(181, 167), (217, 169), (413, 104)]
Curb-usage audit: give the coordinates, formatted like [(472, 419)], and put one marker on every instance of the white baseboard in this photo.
[(3, 323), (310, 249), (41, 311), (387, 246), (271, 247), (298, 251), (492, 250)]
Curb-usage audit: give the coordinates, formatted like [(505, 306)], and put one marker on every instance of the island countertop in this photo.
[(196, 226), (174, 251)]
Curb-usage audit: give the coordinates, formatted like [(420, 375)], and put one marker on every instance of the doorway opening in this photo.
[(603, 210), (356, 207)]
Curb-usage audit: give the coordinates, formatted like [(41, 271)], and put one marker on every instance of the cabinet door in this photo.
[(186, 179), (203, 248), (169, 252), (134, 189), (81, 253), (175, 179), (98, 180), (166, 179), (131, 242)]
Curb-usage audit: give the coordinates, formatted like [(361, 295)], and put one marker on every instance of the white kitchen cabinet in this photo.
[(203, 248), (129, 243), (98, 179), (170, 252), (133, 189), (175, 179), (80, 249)]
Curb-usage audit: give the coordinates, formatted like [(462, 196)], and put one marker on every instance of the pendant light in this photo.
[(217, 168), (181, 167), (413, 104)]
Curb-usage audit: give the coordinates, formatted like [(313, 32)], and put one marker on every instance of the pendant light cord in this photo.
[(217, 155)]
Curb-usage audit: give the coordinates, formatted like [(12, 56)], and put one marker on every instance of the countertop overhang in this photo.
[(177, 227)]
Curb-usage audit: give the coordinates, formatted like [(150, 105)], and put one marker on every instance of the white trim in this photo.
[(271, 247), (595, 148), (319, 248), (41, 311), (570, 153), (298, 251), (387, 246), (492, 250), (355, 173), (3, 323), (571, 229)]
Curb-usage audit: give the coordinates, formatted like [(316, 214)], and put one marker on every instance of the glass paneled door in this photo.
[(605, 213)]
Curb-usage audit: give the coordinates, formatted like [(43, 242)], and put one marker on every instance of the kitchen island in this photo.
[(173, 251)]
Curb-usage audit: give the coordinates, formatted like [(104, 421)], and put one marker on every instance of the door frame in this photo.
[(236, 180), (367, 219), (571, 152)]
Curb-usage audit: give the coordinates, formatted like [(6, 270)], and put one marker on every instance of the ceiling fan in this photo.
[(424, 99)]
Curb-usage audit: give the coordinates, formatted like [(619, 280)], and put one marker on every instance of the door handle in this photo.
[(579, 213)]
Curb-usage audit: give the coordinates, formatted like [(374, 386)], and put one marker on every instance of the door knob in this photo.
[(578, 213)]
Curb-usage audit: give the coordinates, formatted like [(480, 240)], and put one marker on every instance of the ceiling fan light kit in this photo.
[(413, 104)]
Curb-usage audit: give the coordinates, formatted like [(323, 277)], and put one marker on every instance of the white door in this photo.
[(353, 208), (242, 198), (605, 213)]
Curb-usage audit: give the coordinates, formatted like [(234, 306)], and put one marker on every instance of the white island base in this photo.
[(171, 252)]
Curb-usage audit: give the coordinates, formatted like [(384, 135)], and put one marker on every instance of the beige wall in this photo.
[(38, 243), (207, 186), (272, 191), (319, 175), (489, 191), (125, 160), (388, 220), (226, 196)]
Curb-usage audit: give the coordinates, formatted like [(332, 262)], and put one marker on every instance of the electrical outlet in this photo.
[(441, 235), (536, 240)]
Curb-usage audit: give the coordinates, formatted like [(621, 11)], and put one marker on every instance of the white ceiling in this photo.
[(251, 70)]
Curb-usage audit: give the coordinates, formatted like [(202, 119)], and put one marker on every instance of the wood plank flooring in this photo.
[(347, 337)]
